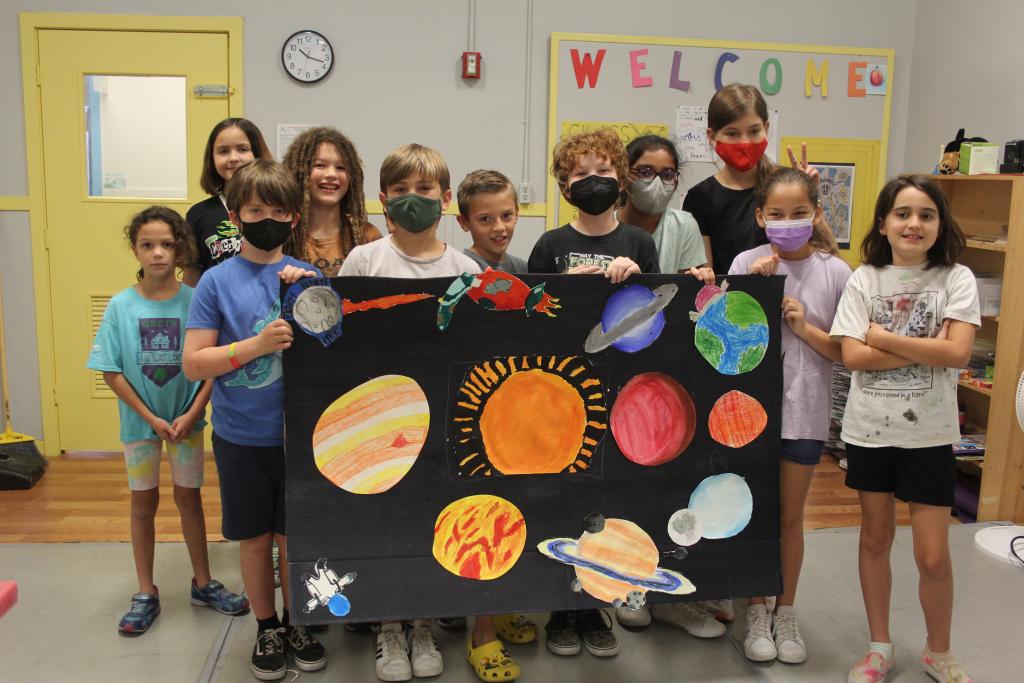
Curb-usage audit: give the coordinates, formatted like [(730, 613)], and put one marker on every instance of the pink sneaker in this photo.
[(872, 669), (944, 669)]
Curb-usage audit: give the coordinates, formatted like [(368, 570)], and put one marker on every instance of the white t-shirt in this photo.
[(382, 258), (914, 406), (817, 282), (678, 241)]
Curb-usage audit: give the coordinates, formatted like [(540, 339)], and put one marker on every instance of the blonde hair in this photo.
[(268, 180), (414, 158), (483, 182), (604, 142), (299, 160)]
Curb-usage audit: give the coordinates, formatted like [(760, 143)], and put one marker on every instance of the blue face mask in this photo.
[(789, 235)]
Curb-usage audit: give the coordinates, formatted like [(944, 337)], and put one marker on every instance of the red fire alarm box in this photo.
[(471, 65)]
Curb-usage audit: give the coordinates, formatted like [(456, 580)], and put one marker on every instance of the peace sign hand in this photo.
[(802, 164)]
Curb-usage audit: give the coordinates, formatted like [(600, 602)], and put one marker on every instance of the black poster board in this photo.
[(365, 557)]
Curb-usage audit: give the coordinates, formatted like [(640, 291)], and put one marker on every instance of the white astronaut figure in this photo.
[(325, 588)]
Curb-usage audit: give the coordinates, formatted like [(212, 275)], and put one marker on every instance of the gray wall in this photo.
[(396, 81), (966, 74)]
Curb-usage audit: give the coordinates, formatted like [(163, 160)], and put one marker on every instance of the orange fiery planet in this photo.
[(479, 537)]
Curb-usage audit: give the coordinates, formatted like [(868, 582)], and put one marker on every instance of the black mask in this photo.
[(594, 194), (266, 234)]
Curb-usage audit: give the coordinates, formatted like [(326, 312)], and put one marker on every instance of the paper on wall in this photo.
[(286, 133), (692, 136)]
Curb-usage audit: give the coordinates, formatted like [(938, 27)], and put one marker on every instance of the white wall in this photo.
[(966, 74), (396, 81)]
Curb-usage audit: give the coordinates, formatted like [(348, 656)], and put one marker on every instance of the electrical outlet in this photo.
[(525, 193)]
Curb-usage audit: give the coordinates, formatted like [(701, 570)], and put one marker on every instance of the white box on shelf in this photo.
[(990, 293)]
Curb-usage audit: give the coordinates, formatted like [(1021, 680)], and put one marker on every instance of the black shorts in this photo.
[(914, 475), (251, 489)]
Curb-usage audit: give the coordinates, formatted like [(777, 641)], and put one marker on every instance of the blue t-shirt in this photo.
[(239, 298), (142, 339)]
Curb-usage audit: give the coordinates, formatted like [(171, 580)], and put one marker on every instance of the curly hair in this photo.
[(211, 181), (299, 160), (184, 244), (950, 243), (604, 142)]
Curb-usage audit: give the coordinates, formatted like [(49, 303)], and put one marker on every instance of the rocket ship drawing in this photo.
[(496, 291)]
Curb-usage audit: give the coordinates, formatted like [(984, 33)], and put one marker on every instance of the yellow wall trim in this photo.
[(14, 203)]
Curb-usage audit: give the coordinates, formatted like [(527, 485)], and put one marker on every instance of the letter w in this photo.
[(587, 69)]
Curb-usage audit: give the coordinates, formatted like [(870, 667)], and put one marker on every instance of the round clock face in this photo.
[(307, 56)]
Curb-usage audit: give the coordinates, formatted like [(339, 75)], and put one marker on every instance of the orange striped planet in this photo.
[(369, 438), (479, 537), (617, 564), (736, 419)]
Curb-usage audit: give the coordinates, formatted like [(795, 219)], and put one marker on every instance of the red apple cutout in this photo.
[(876, 77)]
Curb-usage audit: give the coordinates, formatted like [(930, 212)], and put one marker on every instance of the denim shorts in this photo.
[(802, 451)]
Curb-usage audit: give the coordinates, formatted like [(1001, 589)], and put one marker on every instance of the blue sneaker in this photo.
[(216, 596), (143, 612)]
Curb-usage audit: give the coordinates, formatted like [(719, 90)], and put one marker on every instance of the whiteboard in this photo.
[(646, 79)]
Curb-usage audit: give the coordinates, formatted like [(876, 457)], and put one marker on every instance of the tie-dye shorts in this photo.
[(142, 459)]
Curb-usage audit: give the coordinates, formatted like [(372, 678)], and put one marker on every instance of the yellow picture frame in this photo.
[(864, 155)]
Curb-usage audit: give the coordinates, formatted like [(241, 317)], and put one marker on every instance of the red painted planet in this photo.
[(653, 419)]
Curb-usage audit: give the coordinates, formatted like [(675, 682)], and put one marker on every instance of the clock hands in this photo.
[(308, 56)]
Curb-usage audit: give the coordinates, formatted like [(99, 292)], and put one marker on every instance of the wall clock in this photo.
[(307, 56)]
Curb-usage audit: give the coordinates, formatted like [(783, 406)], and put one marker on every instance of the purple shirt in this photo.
[(817, 282)]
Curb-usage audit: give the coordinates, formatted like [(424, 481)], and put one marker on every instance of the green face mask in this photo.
[(413, 212)]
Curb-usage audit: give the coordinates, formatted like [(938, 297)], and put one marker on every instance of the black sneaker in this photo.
[(268, 659), (308, 653), (563, 639), (595, 628), (452, 623)]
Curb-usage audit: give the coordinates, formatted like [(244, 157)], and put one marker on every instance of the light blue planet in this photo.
[(724, 504)]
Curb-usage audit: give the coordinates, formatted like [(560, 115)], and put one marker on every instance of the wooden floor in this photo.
[(86, 499)]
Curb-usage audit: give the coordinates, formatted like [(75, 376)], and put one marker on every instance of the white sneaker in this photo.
[(691, 617), (633, 618), (790, 646), (392, 656), (720, 609), (423, 653), (759, 646)]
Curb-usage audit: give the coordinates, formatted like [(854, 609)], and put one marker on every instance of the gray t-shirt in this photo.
[(383, 259), (510, 264), (817, 282), (913, 406), (678, 241)]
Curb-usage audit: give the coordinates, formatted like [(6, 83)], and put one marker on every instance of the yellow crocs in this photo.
[(515, 628), (491, 662)]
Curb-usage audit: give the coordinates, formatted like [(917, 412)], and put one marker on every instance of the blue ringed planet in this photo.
[(637, 329), (663, 581)]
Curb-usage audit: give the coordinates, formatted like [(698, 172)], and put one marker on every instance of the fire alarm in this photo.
[(471, 65)]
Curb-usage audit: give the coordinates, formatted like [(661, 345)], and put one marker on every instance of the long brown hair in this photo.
[(734, 101), (299, 160), (211, 181), (821, 240)]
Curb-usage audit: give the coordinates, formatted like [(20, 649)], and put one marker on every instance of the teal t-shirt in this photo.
[(142, 339), (678, 241)]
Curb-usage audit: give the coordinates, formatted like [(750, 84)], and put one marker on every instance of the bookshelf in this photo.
[(990, 209)]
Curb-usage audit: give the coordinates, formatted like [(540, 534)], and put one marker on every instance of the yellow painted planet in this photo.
[(479, 537), (370, 437)]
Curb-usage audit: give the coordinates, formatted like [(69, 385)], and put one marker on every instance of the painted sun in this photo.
[(528, 415)]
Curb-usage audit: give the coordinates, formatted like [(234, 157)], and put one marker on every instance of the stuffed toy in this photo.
[(950, 161)]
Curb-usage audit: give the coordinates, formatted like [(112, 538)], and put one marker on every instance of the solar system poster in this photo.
[(497, 443)]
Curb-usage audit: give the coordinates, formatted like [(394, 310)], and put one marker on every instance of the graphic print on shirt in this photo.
[(160, 349), (910, 314), (574, 259), (265, 370), (225, 241)]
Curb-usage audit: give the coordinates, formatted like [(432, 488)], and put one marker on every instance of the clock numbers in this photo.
[(307, 56)]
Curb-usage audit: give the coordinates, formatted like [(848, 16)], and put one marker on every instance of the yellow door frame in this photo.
[(30, 25)]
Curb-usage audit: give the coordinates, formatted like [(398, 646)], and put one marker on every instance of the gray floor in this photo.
[(71, 595)]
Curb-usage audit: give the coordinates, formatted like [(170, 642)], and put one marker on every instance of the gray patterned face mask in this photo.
[(651, 197)]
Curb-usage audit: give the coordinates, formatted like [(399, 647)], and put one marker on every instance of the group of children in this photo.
[(902, 323)]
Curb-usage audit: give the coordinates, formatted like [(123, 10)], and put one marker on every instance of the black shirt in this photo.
[(217, 238), (563, 248), (726, 217)]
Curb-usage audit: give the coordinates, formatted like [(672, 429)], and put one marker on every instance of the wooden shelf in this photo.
[(974, 178), (987, 246), (974, 387)]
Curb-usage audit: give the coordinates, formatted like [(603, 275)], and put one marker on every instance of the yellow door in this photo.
[(122, 129)]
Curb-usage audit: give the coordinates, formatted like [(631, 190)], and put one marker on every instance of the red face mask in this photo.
[(742, 156)]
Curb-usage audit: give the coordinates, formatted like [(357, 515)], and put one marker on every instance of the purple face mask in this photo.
[(789, 235)]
